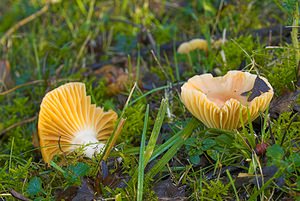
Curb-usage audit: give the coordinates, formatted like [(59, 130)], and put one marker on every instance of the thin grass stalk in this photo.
[(263, 130), (109, 144), (232, 184), (153, 138), (187, 131), (251, 137), (142, 161), (156, 129), (165, 146)]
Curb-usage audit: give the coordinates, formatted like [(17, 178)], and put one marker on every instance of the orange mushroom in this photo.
[(68, 119), (194, 44), (219, 102)]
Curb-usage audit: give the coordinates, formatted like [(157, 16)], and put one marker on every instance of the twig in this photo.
[(20, 86), (18, 124), (23, 22), (35, 82), (18, 196)]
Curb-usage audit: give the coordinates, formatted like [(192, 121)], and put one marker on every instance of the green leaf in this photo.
[(295, 158), (195, 159), (74, 172), (34, 186), (208, 143), (213, 154), (80, 169), (275, 152), (224, 139), (190, 142)]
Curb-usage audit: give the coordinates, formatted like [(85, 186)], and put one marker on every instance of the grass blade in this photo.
[(232, 184), (153, 138), (156, 128), (142, 161), (184, 134)]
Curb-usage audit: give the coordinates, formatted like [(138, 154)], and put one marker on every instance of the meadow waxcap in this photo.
[(219, 102), (194, 44), (68, 119)]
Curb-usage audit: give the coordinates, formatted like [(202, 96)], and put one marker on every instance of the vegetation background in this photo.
[(110, 45)]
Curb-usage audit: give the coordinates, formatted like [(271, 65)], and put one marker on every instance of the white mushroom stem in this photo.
[(88, 137)]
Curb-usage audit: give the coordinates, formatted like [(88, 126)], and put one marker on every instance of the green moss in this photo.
[(132, 130), (234, 52), (71, 35), (279, 66)]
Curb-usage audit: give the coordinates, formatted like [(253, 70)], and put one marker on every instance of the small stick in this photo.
[(20, 86), (18, 124), (23, 22), (18, 195)]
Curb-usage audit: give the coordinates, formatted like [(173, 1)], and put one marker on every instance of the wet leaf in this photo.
[(275, 152), (74, 172), (259, 88), (295, 159), (166, 190), (85, 192), (267, 173), (195, 159), (285, 103), (18, 196), (34, 186), (208, 143)]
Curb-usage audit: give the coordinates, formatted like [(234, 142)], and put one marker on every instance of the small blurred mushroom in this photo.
[(68, 119), (220, 102), (194, 44)]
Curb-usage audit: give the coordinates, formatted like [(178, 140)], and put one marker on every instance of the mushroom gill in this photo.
[(219, 101), (68, 119)]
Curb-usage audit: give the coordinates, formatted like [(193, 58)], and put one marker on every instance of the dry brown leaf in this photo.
[(285, 103), (117, 78), (167, 190)]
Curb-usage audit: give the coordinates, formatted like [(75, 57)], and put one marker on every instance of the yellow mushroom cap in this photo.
[(68, 119), (219, 101), (194, 44)]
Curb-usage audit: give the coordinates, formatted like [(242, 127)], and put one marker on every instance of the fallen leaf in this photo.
[(85, 192), (67, 194), (285, 103), (267, 173), (167, 190), (74, 193), (117, 78), (259, 88), (35, 186), (18, 196)]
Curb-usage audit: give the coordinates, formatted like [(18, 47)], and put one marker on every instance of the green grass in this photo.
[(48, 45)]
